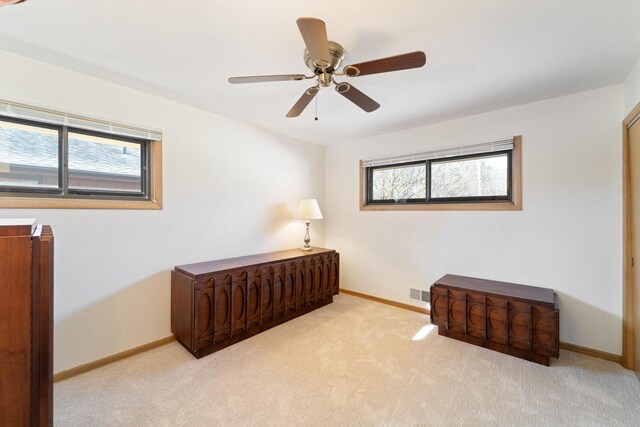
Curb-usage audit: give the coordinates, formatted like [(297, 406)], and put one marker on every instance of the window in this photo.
[(473, 178), (99, 165), (29, 157), (56, 165), (406, 183), (483, 176)]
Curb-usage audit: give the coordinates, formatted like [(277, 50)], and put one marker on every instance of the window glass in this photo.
[(399, 182), (29, 157), (485, 176), (104, 164)]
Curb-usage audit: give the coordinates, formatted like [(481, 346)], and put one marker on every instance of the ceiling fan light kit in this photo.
[(324, 58)]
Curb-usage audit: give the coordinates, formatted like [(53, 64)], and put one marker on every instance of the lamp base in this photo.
[(307, 238)]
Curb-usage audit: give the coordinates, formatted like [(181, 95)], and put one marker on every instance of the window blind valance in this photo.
[(44, 115), (487, 147)]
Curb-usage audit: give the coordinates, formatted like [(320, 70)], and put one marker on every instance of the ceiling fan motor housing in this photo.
[(336, 51)]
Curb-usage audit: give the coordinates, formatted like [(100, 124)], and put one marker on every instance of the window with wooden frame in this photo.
[(50, 159), (475, 177)]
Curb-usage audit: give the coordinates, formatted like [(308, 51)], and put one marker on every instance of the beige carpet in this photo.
[(352, 363)]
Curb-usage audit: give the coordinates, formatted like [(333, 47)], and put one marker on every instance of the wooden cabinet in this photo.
[(26, 323), (218, 303), (519, 320)]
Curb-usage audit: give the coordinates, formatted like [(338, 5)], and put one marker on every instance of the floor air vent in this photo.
[(426, 296), (419, 295)]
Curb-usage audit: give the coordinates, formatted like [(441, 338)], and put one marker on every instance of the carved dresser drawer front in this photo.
[(519, 320), (218, 303)]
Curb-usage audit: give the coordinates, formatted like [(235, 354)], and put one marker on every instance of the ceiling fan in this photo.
[(8, 2), (324, 57)]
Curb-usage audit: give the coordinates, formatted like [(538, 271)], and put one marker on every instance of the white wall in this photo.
[(632, 88), (567, 237), (229, 189)]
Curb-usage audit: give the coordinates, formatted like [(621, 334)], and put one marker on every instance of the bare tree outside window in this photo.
[(400, 183), (474, 177), (481, 176)]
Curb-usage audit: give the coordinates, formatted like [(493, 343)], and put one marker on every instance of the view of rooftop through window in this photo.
[(104, 164), (30, 160), (28, 156)]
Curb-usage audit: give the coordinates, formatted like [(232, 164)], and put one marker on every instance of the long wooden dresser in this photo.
[(218, 303), (518, 320), (26, 323)]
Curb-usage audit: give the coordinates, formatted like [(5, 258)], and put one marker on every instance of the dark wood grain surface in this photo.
[(17, 227), (26, 324), (42, 381), (15, 329), (201, 269), (542, 296), (392, 63), (518, 320), (218, 303)]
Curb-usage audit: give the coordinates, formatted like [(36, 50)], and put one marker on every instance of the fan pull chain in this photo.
[(316, 119)]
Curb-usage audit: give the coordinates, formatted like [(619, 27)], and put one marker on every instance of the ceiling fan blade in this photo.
[(302, 103), (357, 97), (260, 79), (314, 34), (384, 65)]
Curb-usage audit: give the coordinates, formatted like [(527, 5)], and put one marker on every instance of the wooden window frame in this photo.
[(48, 200), (514, 204)]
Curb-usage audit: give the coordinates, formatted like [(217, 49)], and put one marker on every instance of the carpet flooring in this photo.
[(351, 363)]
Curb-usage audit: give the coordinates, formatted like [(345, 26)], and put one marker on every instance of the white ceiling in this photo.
[(481, 55)]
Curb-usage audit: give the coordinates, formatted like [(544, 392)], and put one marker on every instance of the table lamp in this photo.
[(308, 209)]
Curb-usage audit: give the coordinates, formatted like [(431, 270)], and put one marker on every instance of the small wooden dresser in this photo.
[(218, 303), (26, 323), (518, 320)]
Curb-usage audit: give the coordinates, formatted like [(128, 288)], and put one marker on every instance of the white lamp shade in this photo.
[(309, 209)]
